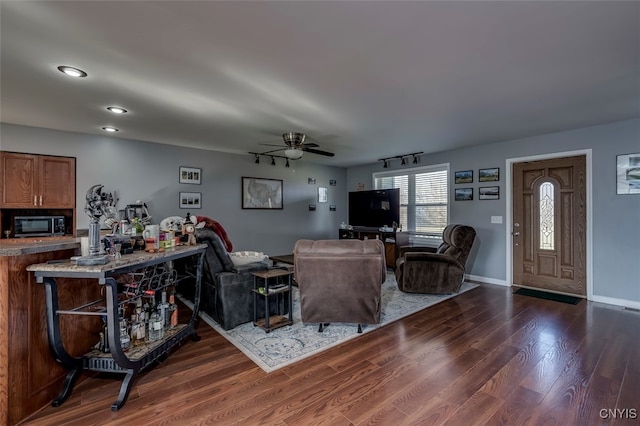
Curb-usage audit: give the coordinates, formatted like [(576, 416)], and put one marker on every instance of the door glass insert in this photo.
[(546, 216)]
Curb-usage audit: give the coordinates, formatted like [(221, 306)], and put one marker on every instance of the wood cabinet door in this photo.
[(56, 182), (19, 184)]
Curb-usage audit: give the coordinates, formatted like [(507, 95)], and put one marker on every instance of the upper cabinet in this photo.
[(37, 181)]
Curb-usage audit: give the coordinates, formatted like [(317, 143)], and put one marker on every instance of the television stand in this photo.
[(392, 240)]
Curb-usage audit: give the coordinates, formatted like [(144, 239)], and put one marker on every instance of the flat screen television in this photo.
[(374, 208)]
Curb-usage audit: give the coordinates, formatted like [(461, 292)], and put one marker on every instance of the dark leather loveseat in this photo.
[(226, 289)]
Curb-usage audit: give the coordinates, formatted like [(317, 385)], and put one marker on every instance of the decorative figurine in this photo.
[(189, 229)]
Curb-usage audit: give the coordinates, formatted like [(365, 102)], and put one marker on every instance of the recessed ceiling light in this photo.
[(110, 129), (117, 110), (72, 72)]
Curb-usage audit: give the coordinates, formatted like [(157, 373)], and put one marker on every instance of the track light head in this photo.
[(257, 159), (403, 162), (385, 165), (415, 160), (287, 163), (273, 161)]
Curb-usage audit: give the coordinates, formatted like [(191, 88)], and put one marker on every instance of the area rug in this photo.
[(291, 344)]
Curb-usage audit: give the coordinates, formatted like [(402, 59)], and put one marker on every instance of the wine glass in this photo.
[(7, 233)]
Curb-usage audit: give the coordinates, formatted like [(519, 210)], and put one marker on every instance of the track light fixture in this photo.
[(273, 158), (403, 160)]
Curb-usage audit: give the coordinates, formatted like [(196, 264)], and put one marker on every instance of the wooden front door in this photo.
[(549, 225)]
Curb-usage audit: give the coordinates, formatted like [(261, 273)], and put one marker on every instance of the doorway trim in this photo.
[(509, 219)]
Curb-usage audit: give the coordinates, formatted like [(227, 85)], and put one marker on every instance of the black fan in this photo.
[(295, 146)]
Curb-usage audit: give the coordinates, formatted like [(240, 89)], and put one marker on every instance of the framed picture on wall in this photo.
[(322, 194), (464, 176), (464, 194), (191, 175), (628, 174), (489, 193), (260, 193), (190, 200), (489, 175)]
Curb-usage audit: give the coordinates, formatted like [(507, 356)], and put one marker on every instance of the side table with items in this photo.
[(277, 289)]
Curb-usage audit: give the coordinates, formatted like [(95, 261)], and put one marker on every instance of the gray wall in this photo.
[(616, 232), (149, 172)]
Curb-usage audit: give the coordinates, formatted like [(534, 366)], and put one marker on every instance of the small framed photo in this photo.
[(489, 193), (259, 193), (191, 175), (190, 200), (311, 181), (332, 208), (464, 176), (332, 182), (322, 194), (628, 174), (489, 175), (312, 207), (464, 194)]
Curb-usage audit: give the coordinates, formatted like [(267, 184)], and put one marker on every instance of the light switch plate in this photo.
[(496, 219)]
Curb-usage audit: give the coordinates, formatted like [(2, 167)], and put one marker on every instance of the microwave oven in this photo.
[(38, 226)]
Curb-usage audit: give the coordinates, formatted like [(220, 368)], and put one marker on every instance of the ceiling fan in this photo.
[(296, 146)]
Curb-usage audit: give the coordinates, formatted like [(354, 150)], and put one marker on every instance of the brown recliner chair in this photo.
[(439, 271), (340, 280)]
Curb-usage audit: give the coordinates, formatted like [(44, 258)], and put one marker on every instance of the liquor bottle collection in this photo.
[(147, 308)]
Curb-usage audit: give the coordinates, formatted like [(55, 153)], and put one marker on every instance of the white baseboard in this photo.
[(486, 280), (615, 301)]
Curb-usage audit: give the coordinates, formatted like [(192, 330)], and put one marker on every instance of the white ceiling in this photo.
[(365, 80)]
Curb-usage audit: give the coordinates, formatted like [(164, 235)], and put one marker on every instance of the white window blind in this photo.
[(424, 198)]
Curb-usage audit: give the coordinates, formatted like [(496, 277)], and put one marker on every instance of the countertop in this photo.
[(21, 246)]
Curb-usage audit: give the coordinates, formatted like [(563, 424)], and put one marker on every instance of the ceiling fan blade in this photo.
[(269, 144), (311, 145), (274, 150), (317, 151)]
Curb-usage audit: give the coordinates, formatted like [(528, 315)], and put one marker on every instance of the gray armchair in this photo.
[(439, 271), (340, 280)]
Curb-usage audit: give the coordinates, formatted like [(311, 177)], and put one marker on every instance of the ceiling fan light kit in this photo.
[(293, 153), (403, 161), (294, 147)]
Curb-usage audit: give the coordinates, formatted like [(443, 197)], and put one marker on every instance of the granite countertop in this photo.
[(70, 268), (21, 246)]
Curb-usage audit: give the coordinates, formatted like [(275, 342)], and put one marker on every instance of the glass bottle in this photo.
[(125, 339), (156, 326), (174, 310), (164, 310)]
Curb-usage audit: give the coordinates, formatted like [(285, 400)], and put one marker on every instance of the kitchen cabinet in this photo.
[(37, 181)]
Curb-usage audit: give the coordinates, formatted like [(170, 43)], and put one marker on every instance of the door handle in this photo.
[(35, 200), (41, 200), (515, 234)]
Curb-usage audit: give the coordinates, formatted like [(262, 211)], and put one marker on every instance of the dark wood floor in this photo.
[(483, 357)]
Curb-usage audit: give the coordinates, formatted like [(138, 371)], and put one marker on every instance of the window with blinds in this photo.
[(424, 198)]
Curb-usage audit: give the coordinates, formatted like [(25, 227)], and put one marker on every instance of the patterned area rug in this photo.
[(290, 344)]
